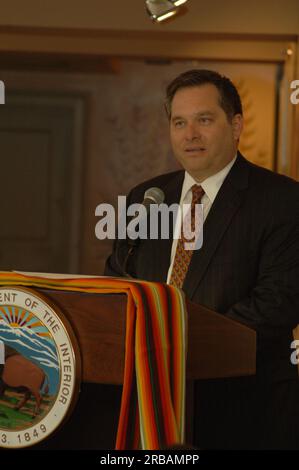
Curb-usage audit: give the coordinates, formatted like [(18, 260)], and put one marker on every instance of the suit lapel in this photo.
[(225, 206)]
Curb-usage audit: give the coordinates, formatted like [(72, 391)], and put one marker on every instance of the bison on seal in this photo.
[(24, 376)]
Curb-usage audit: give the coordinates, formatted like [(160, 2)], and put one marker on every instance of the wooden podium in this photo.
[(217, 347)]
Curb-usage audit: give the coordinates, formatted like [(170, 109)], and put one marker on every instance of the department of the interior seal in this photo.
[(39, 367)]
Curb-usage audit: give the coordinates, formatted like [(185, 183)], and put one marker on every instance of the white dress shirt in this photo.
[(211, 187)]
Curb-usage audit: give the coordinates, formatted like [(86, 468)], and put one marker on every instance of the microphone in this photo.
[(151, 196)]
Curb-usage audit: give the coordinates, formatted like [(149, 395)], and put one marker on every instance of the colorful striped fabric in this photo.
[(153, 399)]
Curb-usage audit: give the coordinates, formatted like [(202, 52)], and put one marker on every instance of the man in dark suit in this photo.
[(247, 268)]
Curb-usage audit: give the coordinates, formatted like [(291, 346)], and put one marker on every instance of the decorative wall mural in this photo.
[(133, 134), (254, 143), (133, 128)]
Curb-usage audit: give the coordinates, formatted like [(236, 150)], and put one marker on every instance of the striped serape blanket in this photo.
[(152, 410)]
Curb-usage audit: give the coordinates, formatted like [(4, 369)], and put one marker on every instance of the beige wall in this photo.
[(215, 16)]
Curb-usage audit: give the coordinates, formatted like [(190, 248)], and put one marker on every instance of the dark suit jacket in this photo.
[(248, 266)]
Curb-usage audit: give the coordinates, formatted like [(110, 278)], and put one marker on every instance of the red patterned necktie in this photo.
[(183, 257)]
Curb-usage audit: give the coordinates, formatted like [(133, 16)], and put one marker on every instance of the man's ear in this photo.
[(237, 125)]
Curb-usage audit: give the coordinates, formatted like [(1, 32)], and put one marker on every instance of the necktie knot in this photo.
[(197, 194)]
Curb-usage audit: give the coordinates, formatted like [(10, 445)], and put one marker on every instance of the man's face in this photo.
[(203, 139)]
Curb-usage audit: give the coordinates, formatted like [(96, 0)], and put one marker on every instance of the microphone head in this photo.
[(155, 195), (151, 196)]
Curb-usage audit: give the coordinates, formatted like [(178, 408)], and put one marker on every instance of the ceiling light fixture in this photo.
[(178, 3), (160, 10)]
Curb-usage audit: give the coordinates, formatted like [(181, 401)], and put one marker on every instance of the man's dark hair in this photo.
[(230, 100)]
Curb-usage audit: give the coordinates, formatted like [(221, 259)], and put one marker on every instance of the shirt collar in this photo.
[(210, 185)]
